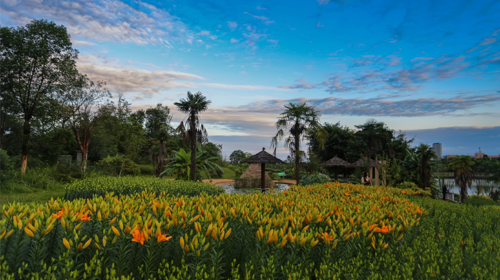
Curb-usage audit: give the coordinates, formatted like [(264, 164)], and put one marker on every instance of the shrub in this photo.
[(146, 169), (118, 165), (87, 188), (480, 200), (6, 166), (314, 179)]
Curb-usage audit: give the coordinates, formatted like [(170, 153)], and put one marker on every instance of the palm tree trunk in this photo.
[(192, 130), (297, 159)]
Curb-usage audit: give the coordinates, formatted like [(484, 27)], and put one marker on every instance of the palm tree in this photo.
[(464, 173), (300, 120), (425, 154), (193, 105)]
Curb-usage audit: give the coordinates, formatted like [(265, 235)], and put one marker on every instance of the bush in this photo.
[(99, 186), (146, 169), (314, 179), (6, 166), (118, 165), (33, 179), (480, 200)]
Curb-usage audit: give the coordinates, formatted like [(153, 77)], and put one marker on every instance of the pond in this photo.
[(229, 189), (478, 187)]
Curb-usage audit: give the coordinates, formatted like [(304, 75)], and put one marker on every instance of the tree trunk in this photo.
[(192, 129), (297, 159), (24, 149), (83, 144), (159, 162)]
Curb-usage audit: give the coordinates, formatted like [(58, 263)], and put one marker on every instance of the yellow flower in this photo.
[(115, 230), (29, 232), (66, 243)]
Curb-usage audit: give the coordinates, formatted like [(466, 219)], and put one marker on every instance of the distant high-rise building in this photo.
[(438, 148)]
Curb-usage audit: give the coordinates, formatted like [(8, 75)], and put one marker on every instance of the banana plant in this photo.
[(181, 164)]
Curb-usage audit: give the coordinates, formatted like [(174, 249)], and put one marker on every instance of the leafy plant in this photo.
[(314, 179), (181, 165)]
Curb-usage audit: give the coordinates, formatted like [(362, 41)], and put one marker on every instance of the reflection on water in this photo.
[(478, 187), (229, 188)]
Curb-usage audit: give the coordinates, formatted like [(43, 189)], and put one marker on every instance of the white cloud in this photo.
[(138, 83), (112, 21)]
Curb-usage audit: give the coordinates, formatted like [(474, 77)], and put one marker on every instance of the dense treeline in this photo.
[(50, 109)]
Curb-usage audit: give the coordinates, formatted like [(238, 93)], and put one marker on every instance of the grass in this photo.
[(40, 196)]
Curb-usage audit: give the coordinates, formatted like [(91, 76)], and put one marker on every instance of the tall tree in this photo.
[(464, 173), (157, 126), (425, 154), (77, 108), (33, 61), (374, 135), (193, 105), (298, 120)]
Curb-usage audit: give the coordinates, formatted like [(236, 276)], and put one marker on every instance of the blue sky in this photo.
[(431, 68)]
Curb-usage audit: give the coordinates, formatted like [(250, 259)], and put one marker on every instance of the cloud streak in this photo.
[(111, 21), (132, 81)]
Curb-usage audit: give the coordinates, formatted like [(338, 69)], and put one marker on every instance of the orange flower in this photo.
[(383, 230), (372, 226), (403, 192), (59, 214), (326, 236), (85, 218), (284, 192), (162, 237), (138, 236), (347, 194)]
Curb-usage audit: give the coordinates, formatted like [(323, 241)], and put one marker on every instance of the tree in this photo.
[(157, 127), (33, 62), (374, 135), (238, 156), (193, 105), (300, 120), (77, 105), (425, 154), (464, 173)]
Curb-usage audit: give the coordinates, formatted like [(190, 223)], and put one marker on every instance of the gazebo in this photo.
[(336, 161), (361, 163), (263, 157)]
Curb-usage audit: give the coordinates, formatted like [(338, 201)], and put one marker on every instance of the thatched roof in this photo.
[(361, 163), (254, 172), (336, 161), (263, 157)]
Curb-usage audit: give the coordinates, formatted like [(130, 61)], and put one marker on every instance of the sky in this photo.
[(430, 69)]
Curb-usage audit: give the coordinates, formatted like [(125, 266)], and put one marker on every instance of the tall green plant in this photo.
[(464, 174), (300, 120), (193, 105), (181, 164)]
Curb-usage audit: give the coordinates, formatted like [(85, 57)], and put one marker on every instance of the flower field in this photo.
[(131, 185), (331, 231)]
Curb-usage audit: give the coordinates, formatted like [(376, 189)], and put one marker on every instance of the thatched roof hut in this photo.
[(336, 161), (263, 157)]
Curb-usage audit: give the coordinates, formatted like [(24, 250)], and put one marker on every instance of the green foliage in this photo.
[(480, 200), (407, 185), (118, 165), (464, 173), (6, 166), (39, 178), (146, 169), (180, 165), (87, 188), (238, 156), (314, 179)]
